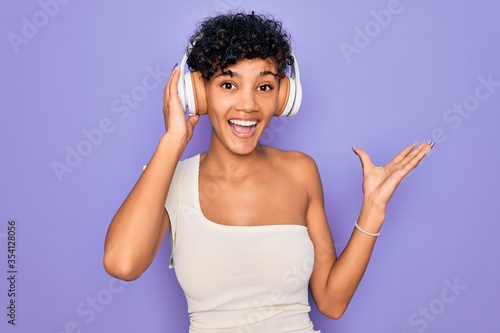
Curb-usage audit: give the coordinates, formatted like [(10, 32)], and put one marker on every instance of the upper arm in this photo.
[(165, 223), (319, 232)]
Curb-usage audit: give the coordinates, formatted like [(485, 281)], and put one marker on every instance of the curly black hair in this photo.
[(222, 40)]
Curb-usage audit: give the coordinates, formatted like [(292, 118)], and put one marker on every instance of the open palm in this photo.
[(379, 183)]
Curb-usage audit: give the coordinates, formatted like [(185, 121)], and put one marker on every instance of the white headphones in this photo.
[(191, 88)]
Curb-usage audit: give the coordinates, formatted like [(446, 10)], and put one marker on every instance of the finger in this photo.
[(363, 157), (403, 154), (173, 90), (417, 155), (193, 120), (166, 90), (419, 152), (172, 84)]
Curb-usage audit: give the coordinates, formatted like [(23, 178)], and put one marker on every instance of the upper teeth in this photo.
[(243, 122)]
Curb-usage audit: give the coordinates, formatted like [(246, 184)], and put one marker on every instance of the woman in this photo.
[(249, 228)]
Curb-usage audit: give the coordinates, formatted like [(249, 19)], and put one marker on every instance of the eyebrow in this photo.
[(230, 73)]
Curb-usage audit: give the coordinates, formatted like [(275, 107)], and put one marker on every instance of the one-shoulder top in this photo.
[(238, 279)]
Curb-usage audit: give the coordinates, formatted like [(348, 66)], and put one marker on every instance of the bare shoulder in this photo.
[(294, 163)]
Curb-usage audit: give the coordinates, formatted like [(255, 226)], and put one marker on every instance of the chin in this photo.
[(244, 149)]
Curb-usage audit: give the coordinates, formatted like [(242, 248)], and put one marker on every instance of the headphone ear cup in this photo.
[(287, 98), (192, 93), (199, 93), (189, 104), (295, 98), (283, 96), (181, 91)]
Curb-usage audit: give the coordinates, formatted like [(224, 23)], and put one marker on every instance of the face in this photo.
[(241, 102)]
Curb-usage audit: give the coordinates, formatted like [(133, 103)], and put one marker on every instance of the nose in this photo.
[(247, 101)]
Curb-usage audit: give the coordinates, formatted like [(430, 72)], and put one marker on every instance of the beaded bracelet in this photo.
[(364, 231)]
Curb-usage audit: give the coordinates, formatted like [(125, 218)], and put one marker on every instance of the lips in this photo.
[(243, 127)]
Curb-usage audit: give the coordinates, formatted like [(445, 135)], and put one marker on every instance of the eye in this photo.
[(227, 85), (265, 87)]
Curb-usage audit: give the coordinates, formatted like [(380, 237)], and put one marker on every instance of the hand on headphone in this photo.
[(173, 112)]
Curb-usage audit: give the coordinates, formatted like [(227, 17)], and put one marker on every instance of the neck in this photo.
[(218, 157)]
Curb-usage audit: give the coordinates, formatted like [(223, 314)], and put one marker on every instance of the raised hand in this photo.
[(379, 183), (175, 119)]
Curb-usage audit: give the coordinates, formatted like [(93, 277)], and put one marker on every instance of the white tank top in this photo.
[(238, 279)]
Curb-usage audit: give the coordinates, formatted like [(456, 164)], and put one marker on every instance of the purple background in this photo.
[(67, 77)]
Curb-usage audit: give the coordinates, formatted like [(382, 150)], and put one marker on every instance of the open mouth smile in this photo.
[(243, 127)]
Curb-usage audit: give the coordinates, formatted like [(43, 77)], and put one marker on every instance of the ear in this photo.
[(283, 95)]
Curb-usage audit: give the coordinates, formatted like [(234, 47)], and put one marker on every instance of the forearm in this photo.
[(137, 229), (348, 270)]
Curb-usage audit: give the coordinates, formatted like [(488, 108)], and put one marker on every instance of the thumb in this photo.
[(363, 157), (193, 120)]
